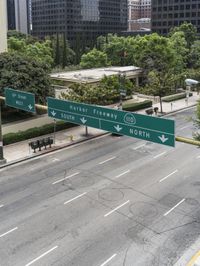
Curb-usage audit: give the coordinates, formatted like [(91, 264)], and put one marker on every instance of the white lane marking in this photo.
[(44, 254), (60, 180), (184, 127), (139, 146), (174, 207), (1, 205), (122, 173), (75, 198), (159, 155), (108, 160), (105, 262), (116, 208), (161, 180), (198, 157), (8, 232)]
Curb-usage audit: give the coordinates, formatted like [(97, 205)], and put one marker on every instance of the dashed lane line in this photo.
[(126, 172), (81, 195), (159, 155), (60, 180), (108, 160), (41, 256), (116, 208), (108, 260), (164, 178), (174, 207), (8, 232)]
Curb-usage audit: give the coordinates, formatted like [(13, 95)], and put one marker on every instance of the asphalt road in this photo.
[(113, 201)]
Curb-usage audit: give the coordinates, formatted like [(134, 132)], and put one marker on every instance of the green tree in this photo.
[(153, 52), (40, 52), (64, 57), (179, 46), (106, 92), (20, 72), (16, 34), (57, 51), (62, 53), (189, 30), (94, 58), (119, 50), (29, 39), (159, 84), (194, 56)]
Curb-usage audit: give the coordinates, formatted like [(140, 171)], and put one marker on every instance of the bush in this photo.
[(175, 97), (34, 132), (136, 106)]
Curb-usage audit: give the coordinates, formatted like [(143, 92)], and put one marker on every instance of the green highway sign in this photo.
[(158, 130), (20, 100)]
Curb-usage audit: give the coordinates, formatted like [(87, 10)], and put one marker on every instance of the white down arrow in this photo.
[(83, 120), (118, 128), (163, 138), (53, 113), (30, 106)]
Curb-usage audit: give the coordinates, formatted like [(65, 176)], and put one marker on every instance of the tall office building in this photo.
[(139, 14), (78, 19), (18, 15), (170, 13), (3, 26)]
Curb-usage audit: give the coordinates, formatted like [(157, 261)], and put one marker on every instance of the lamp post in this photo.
[(2, 159), (189, 83), (122, 89)]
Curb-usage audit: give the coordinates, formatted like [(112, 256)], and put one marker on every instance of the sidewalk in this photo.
[(21, 150)]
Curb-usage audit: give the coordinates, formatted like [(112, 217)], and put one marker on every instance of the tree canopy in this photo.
[(20, 72), (106, 92), (94, 58), (189, 30), (40, 51)]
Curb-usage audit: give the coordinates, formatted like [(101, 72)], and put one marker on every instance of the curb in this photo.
[(177, 110), (52, 150)]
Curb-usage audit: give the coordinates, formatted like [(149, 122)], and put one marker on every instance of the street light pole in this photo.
[(2, 159), (122, 89)]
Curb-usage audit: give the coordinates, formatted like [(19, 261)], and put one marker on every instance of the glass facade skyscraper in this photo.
[(78, 18), (170, 13)]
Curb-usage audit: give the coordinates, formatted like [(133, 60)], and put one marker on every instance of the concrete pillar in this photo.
[(3, 26), (137, 82)]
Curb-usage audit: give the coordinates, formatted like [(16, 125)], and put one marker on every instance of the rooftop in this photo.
[(95, 74)]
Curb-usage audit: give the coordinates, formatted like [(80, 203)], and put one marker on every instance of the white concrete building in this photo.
[(92, 76), (3, 26), (139, 15)]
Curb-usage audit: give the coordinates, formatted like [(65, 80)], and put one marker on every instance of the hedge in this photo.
[(35, 132), (175, 97), (136, 106)]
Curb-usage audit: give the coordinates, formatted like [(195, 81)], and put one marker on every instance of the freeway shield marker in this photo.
[(158, 130), (20, 100)]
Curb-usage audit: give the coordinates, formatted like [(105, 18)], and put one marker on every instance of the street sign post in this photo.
[(20, 100), (144, 127)]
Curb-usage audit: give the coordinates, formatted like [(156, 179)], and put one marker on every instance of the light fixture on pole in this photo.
[(189, 83)]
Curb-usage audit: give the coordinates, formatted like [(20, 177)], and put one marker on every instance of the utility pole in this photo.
[(2, 159)]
